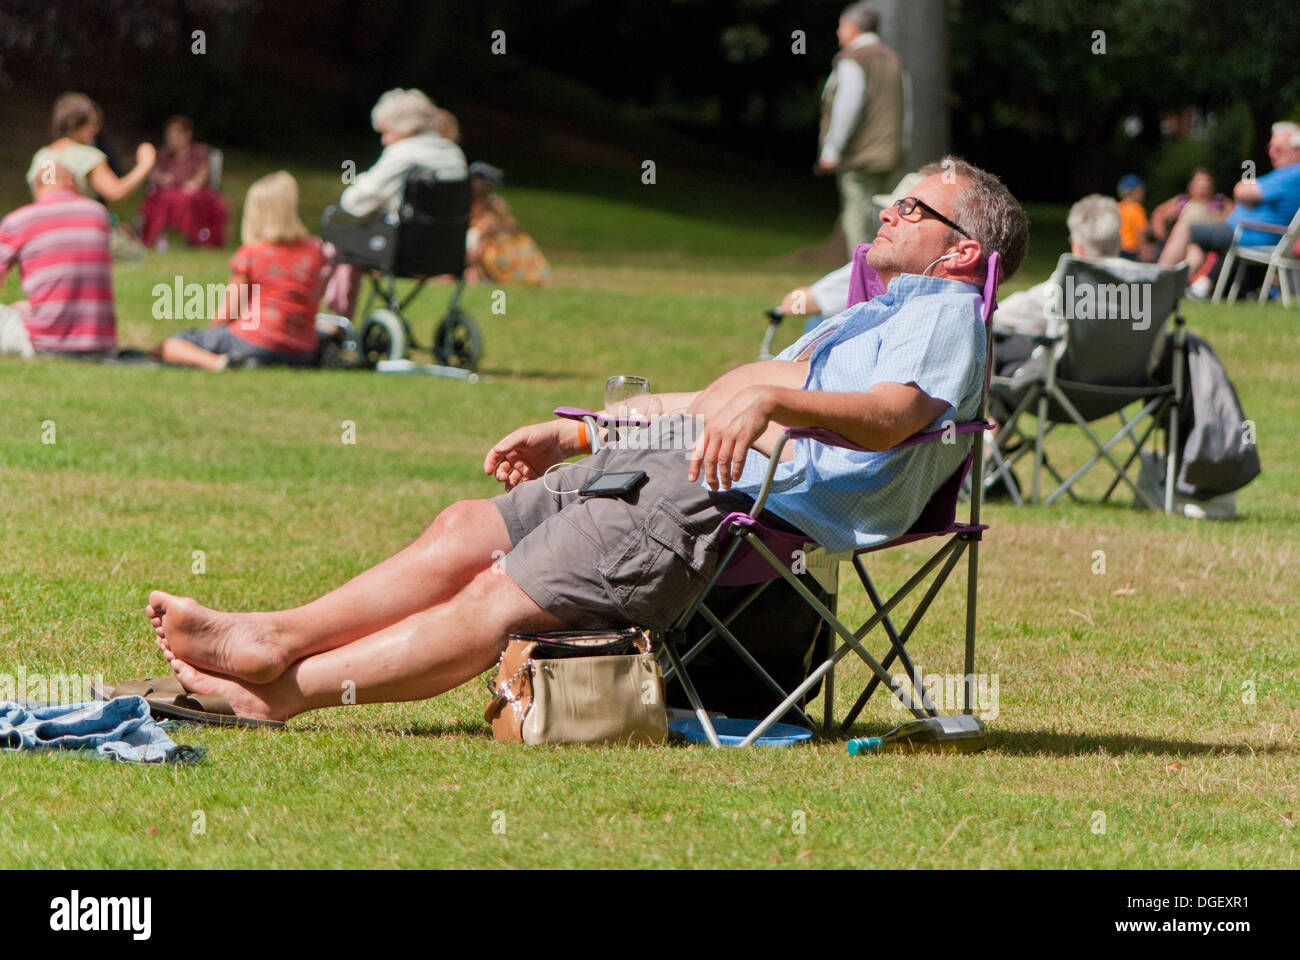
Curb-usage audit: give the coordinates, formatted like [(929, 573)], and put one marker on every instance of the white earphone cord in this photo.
[(556, 466), (949, 256)]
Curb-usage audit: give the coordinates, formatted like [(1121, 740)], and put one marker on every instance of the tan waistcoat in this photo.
[(876, 143)]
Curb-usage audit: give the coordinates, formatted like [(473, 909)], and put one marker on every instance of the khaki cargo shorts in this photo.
[(609, 562)]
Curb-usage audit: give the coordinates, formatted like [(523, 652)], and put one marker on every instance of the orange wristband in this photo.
[(583, 443)]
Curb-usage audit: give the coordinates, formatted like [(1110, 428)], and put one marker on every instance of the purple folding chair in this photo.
[(757, 554)]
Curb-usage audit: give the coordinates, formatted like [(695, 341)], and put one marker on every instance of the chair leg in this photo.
[(896, 642), (1236, 284), (851, 639), (1103, 450), (1038, 444), (1171, 455), (908, 628), (1267, 288), (1000, 468), (1009, 434), (689, 688), (972, 595), (1138, 443), (828, 690), (1224, 272), (748, 659), (708, 637), (1047, 464)]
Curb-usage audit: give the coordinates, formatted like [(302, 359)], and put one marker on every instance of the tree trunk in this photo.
[(918, 31)]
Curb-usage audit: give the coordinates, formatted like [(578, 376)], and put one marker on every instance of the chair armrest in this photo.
[(577, 413), (336, 216), (1262, 227), (830, 438), (1039, 339)]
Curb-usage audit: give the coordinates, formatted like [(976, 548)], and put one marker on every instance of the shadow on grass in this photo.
[(1029, 742), (507, 373), (1007, 743), (371, 727), (1050, 743), (450, 729)]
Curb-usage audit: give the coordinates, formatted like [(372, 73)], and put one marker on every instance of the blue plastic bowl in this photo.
[(732, 732)]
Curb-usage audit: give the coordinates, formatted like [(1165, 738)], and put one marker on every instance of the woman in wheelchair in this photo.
[(407, 123), (268, 315)]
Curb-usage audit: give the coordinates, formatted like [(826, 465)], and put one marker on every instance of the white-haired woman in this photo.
[(407, 122)]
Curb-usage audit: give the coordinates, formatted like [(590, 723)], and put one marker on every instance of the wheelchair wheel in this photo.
[(383, 337), (457, 341)]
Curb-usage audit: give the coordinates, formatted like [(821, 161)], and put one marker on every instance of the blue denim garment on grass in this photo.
[(121, 729)]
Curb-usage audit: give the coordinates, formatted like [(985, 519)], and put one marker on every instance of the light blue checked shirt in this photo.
[(923, 330)]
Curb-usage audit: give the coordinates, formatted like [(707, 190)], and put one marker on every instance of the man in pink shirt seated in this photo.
[(61, 245)]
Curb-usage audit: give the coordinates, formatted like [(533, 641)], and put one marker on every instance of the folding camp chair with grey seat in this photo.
[(759, 555), (1279, 257), (1096, 359)]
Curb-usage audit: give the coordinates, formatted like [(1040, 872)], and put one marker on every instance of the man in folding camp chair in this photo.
[(544, 557)]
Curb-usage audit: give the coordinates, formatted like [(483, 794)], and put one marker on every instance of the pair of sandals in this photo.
[(169, 700)]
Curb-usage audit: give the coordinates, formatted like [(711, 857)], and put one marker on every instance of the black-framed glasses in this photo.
[(907, 205)]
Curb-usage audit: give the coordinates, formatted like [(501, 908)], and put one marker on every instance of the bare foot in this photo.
[(257, 701), (240, 645)]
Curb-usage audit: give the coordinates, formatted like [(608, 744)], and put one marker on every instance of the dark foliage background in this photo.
[(1029, 97)]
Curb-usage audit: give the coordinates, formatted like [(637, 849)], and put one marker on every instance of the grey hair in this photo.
[(1094, 225), (987, 211), (404, 112), (864, 14), (1286, 126)]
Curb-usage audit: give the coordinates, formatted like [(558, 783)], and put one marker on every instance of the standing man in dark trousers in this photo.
[(861, 139)]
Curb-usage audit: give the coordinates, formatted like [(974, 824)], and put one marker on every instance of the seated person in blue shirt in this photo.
[(1272, 199), (541, 557)]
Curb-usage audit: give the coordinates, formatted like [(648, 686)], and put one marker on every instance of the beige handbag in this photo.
[(578, 688)]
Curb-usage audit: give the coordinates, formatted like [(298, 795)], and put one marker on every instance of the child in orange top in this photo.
[(276, 280), (1132, 215)]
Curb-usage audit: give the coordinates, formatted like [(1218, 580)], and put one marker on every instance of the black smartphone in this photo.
[(613, 484)]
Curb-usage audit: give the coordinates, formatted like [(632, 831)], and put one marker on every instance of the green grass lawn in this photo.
[(1147, 716)]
